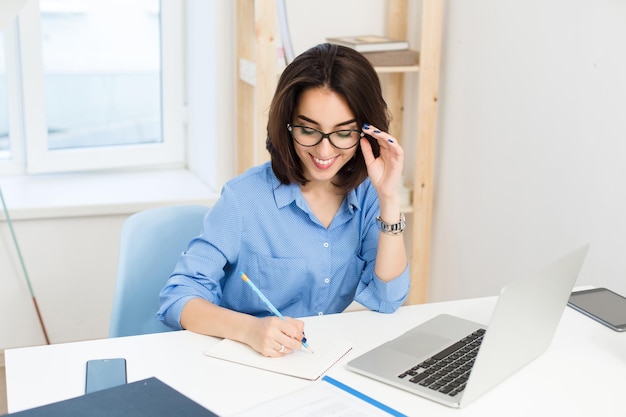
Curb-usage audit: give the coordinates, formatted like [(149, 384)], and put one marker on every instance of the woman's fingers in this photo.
[(280, 337), (386, 170), (383, 138), (389, 146)]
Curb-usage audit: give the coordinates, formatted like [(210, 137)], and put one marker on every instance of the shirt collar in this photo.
[(285, 194)]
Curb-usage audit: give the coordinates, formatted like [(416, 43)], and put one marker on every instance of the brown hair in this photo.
[(343, 71)]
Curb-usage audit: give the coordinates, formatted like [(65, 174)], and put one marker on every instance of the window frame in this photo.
[(30, 145), (15, 164)]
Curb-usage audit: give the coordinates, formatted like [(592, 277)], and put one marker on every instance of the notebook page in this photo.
[(300, 363)]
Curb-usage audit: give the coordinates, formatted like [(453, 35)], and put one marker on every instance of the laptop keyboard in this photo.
[(448, 370)]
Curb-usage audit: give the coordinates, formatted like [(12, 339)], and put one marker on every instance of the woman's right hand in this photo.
[(266, 335), (274, 337)]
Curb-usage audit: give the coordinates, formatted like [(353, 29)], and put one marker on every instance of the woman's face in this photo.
[(326, 111)]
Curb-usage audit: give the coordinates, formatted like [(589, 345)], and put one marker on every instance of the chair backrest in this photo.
[(151, 242)]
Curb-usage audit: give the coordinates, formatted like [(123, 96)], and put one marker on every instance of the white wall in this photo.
[(530, 143), (71, 263)]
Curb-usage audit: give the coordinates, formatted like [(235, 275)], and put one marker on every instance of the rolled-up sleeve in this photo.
[(385, 297), (200, 269)]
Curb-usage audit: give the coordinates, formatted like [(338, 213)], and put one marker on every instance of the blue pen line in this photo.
[(362, 396), (268, 303)]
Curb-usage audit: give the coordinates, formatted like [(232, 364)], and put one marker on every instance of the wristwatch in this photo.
[(391, 229)]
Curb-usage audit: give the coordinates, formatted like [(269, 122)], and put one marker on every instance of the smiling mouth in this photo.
[(323, 163)]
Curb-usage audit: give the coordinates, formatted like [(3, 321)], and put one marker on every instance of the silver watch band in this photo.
[(392, 229)]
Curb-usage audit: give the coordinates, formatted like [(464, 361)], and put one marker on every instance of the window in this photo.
[(101, 86), (113, 75), (11, 153)]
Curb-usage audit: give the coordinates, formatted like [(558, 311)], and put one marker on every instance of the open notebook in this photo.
[(301, 364)]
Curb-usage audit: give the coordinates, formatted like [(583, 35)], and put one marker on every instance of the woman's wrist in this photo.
[(390, 208)]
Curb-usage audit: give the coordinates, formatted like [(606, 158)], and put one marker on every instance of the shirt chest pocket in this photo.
[(282, 280), (352, 276)]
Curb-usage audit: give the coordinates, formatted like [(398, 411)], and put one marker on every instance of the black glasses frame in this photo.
[(324, 135)]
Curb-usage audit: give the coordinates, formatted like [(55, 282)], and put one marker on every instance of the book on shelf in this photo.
[(403, 58), (370, 43)]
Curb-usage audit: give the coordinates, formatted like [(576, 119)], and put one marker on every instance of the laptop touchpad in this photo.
[(419, 343)]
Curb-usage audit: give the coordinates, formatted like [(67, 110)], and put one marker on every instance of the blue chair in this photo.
[(150, 244)]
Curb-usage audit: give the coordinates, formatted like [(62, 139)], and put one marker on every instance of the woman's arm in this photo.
[(385, 173), (191, 298)]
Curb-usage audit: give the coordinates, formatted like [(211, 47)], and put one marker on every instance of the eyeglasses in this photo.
[(309, 137)]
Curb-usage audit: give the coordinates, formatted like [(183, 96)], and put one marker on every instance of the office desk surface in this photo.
[(581, 373)]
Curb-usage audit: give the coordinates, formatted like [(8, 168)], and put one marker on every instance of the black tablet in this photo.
[(603, 305)]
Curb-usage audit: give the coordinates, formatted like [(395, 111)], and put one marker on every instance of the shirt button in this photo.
[(326, 244), (327, 280), (321, 313)]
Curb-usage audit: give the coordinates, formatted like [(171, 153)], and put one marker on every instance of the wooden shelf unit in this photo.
[(258, 75), (383, 70)]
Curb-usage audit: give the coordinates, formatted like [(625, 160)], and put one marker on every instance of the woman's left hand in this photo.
[(385, 172)]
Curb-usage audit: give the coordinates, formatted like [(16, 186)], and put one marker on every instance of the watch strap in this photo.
[(391, 229)]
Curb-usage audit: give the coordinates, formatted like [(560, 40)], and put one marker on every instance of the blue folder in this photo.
[(146, 398)]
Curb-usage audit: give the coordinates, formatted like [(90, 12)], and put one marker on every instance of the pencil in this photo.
[(269, 304)]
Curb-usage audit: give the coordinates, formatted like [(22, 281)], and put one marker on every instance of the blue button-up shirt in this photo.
[(268, 231)]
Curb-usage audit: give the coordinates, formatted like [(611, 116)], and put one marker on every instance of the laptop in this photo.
[(453, 361)]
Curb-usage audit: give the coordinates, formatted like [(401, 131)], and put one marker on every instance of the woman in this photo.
[(316, 228)]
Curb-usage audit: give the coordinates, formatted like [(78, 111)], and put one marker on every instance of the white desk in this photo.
[(582, 373)]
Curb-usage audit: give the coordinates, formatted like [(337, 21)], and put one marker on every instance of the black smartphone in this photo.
[(104, 373), (603, 305)]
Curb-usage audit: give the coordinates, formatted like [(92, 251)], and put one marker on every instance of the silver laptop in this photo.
[(454, 361)]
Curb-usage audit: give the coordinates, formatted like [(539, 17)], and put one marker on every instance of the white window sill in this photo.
[(88, 194)]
